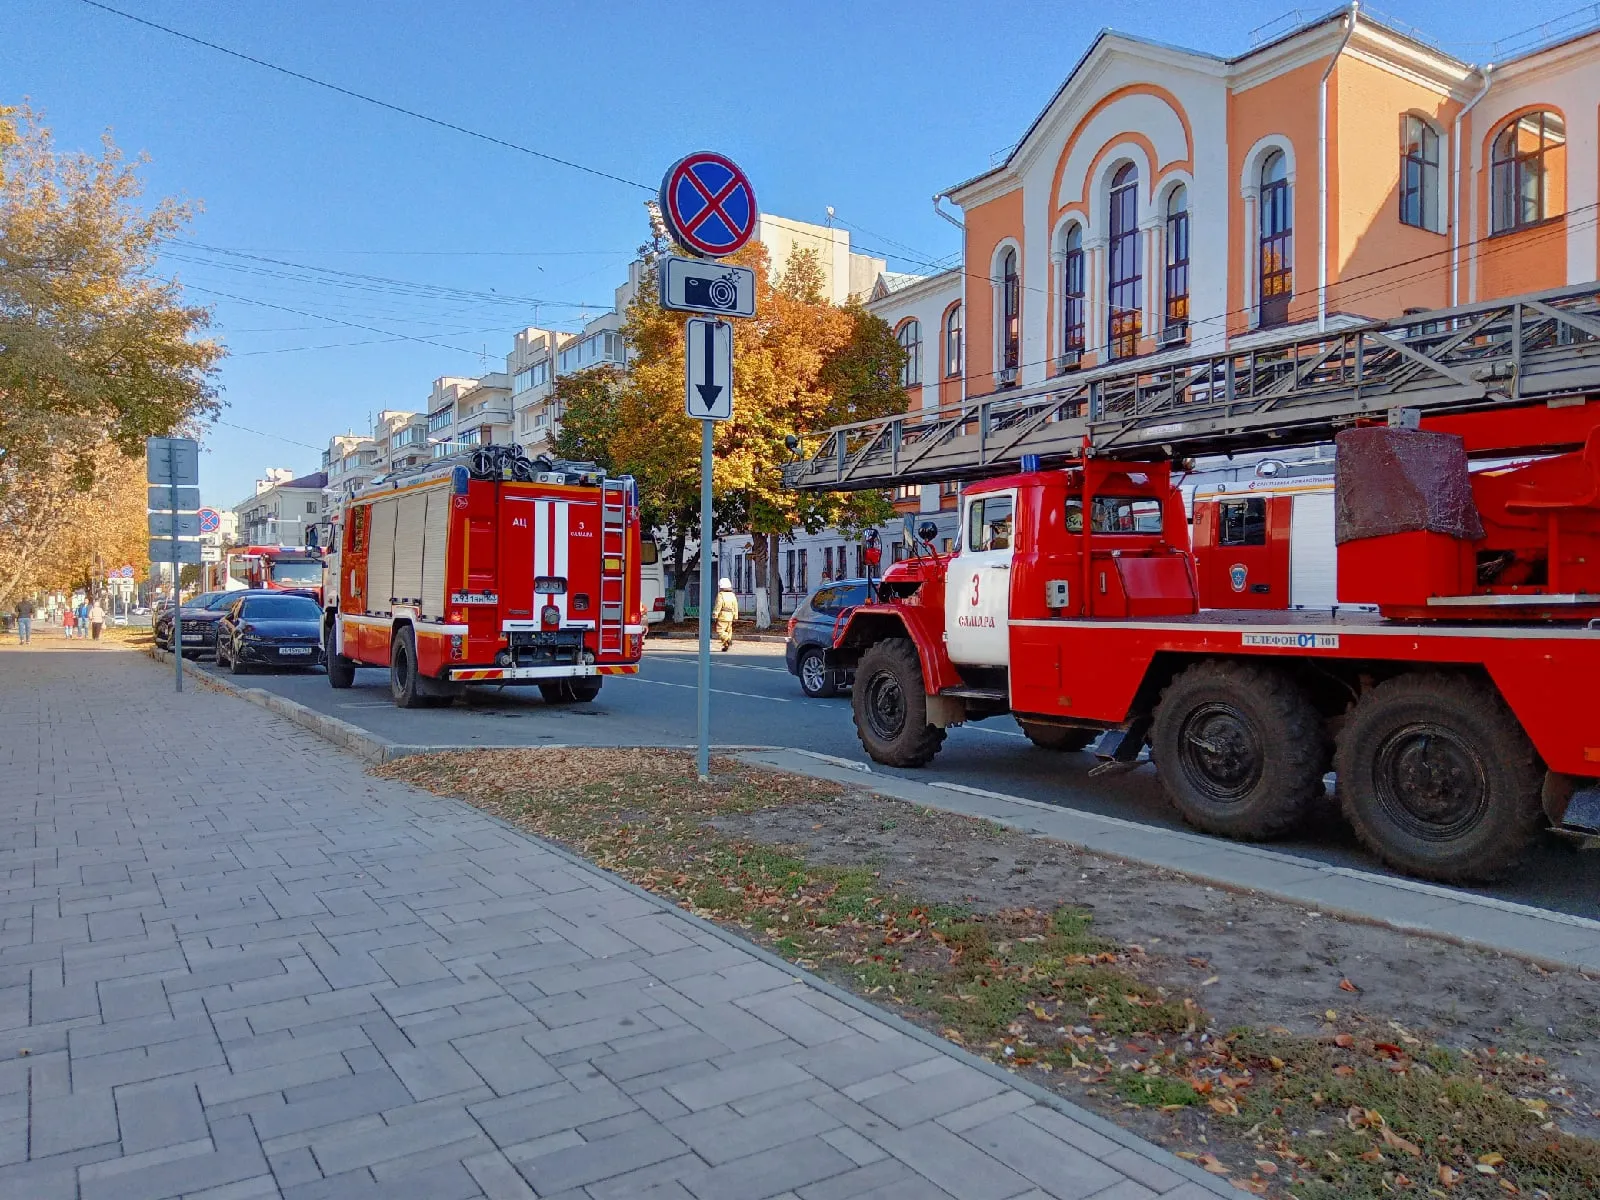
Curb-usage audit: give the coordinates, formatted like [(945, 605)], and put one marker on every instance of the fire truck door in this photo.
[(977, 592), (1242, 552)]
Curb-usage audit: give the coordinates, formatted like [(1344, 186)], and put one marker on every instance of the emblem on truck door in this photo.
[(1238, 574)]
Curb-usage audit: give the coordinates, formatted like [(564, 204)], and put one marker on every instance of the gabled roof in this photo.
[(890, 282)]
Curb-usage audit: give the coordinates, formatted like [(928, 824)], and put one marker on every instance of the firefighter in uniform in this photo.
[(724, 613)]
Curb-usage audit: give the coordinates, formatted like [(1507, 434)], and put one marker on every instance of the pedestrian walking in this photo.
[(82, 623), (69, 618), (97, 619), (24, 621), (724, 613)]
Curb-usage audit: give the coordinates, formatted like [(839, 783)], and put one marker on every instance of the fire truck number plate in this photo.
[(474, 598), (1291, 641)]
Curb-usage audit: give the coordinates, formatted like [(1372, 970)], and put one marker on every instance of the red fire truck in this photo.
[(1459, 716), (487, 568), (277, 568)]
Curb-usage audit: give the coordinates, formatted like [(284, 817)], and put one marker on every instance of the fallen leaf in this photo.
[(1491, 1160), (1209, 982), (1213, 1164), (1448, 1175), (1395, 1141), (1402, 1180), (1266, 1166), (1344, 1041), (1227, 1106), (1485, 1169), (1346, 986), (1277, 1063), (1331, 1015), (1372, 1156), (1341, 1070)]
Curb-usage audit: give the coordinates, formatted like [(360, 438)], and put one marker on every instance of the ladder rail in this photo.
[(1295, 390)]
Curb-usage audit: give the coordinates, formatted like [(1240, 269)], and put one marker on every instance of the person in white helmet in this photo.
[(724, 613)]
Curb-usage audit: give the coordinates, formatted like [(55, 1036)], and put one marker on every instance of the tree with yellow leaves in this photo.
[(801, 363), (96, 354)]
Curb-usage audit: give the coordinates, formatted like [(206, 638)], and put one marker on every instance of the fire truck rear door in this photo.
[(977, 593)]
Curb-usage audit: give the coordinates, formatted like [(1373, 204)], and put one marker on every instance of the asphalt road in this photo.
[(756, 702)]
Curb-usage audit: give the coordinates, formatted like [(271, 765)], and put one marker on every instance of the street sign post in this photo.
[(694, 285), (172, 468), (709, 207)]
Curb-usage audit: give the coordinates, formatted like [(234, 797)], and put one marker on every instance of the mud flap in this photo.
[(1580, 819), (1118, 749)]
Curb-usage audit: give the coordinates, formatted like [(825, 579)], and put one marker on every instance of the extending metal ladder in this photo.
[(1296, 391), (614, 497)]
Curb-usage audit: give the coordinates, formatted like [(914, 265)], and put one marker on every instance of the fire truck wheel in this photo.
[(570, 691), (1058, 737), (341, 671), (1242, 749), (815, 678), (1438, 778), (891, 708), (404, 682)]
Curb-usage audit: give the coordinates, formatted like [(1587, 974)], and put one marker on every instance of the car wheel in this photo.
[(236, 667), (815, 678)]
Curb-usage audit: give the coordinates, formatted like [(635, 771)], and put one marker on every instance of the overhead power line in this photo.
[(366, 99)]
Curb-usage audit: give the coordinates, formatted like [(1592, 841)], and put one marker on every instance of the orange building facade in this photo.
[(1168, 201)]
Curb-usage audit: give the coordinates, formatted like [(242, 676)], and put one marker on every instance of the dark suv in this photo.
[(811, 637)]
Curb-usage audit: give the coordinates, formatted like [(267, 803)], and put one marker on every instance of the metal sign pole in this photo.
[(177, 606), (703, 751)]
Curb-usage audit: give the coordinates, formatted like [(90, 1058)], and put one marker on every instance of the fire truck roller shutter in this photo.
[(551, 526), (408, 532), (380, 559), (435, 537), (1311, 557)]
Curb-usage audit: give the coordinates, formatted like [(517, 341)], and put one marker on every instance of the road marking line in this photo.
[(715, 691)]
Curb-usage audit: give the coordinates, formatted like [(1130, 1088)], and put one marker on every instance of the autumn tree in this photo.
[(97, 352), (802, 363)]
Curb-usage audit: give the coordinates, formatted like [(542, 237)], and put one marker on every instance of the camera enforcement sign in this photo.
[(697, 286), (708, 204)]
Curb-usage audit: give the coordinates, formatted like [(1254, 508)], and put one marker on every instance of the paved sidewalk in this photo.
[(234, 966)]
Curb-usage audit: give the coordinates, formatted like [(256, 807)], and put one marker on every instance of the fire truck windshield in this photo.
[(1116, 514), (297, 573)]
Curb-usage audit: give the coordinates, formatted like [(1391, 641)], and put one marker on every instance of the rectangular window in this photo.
[(989, 524), (1242, 522), (1419, 174), (311, 506), (804, 580), (909, 491), (788, 571), (1116, 514)]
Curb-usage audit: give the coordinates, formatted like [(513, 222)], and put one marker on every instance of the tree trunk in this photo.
[(679, 566), (774, 575), (759, 544)]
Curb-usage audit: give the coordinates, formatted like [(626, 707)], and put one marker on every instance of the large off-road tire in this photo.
[(1438, 779), (405, 683), (1058, 737), (816, 680), (570, 691), (1242, 749), (891, 707)]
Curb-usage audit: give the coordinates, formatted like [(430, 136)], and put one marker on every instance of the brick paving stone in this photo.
[(239, 982)]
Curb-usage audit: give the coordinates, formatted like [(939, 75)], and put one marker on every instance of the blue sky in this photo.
[(862, 106)]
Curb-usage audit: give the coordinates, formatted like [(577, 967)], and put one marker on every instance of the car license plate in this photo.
[(193, 637), (294, 650)]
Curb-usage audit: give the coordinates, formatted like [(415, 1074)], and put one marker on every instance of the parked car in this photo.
[(270, 629), (200, 616), (811, 637)]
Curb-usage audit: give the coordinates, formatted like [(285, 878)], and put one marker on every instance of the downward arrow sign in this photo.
[(710, 389)]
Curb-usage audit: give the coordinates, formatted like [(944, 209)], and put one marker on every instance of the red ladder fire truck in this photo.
[(1460, 717), (487, 568)]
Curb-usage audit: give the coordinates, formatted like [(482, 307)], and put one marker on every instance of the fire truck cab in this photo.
[(489, 568)]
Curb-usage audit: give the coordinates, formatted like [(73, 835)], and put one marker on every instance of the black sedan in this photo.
[(200, 616), (811, 637), (266, 629)]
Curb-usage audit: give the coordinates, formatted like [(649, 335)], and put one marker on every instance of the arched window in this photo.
[(910, 338), (1073, 322), (952, 342), (1277, 239), (1419, 173), (1122, 265), (1177, 258), (1010, 313), (1529, 161)]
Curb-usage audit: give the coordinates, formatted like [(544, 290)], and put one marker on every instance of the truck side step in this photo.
[(1118, 749), (1582, 818), (996, 695)]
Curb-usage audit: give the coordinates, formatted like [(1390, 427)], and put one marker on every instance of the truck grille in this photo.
[(546, 648)]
